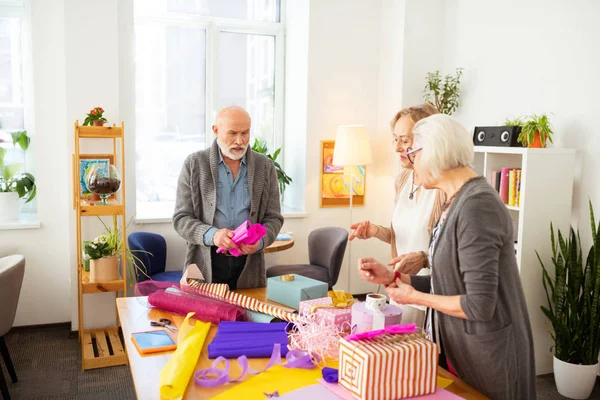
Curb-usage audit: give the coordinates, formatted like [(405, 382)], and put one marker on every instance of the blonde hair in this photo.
[(416, 113), (445, 143)]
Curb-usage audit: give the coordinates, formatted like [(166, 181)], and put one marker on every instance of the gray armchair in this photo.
[(12, 269), (326, 248)]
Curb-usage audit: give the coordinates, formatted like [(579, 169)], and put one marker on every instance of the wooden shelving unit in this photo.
[(546, 195), (100, 347)]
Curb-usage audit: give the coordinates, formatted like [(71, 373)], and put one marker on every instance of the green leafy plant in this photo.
[(443, 92), (573, 297), (10, 178), (514, 122), (110, 244), (94, 115), (282, 177), (534, 124)]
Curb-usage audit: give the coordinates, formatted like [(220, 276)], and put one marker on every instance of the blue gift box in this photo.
[(291, 293)]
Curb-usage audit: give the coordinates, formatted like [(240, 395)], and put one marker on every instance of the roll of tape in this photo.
[(376, 302), (288, 277)]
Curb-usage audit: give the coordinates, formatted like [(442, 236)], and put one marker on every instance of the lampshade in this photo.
[(351, 146)]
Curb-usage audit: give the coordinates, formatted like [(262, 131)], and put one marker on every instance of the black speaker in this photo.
[(497, 136)]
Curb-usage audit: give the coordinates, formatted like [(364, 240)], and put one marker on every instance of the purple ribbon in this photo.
[(213, 377), (390, 330)]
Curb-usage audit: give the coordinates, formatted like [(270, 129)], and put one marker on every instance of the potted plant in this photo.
[(95, 117), (15, 185), (282, 177), (573, 310), (535, 131), (103, 253), (443, 92)]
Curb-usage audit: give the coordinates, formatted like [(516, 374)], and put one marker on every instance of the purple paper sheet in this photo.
[(250, 339)]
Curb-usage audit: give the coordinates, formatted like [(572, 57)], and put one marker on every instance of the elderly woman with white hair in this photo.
[(476, 305)]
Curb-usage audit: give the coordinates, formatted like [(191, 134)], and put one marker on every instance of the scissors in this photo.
[(165, 323)]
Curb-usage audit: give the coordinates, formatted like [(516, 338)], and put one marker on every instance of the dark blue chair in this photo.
[(155, 262)]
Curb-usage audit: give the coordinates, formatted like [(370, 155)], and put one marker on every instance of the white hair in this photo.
[(446, 143)]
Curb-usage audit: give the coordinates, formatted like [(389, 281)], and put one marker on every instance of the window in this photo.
[(193, 57), (14, 89)]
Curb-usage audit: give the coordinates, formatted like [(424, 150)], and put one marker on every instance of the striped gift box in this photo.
[(388, 367)]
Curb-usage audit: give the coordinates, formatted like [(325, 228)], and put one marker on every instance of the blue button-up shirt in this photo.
[(233, 200)]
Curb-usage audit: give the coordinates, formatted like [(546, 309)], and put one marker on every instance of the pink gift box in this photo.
[(331, 315)]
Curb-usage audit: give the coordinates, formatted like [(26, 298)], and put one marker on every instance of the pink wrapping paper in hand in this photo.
[(247, 234)]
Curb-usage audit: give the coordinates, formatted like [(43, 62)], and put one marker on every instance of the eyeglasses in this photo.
[(410, 153)]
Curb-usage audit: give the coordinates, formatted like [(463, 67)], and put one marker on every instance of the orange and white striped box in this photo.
[(388, 367)]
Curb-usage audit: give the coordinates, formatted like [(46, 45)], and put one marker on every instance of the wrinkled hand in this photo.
[(249, 248), (363, 230), (401, 292), (409, 263), (222, 239), (373, 271)]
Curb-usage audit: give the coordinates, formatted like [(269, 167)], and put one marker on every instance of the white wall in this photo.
[(46, 290), (517, 63)]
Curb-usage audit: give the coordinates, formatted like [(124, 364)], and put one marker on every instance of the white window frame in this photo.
[(21, 9), (214, 26)]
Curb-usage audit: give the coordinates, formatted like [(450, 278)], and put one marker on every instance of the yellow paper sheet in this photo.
[(444, 382), (176, 374), (277, 378)]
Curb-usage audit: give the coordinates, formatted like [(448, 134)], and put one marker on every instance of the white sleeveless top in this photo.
[(411, 218), (411, 228)]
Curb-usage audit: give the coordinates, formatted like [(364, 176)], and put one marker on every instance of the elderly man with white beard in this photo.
[(219, 188)]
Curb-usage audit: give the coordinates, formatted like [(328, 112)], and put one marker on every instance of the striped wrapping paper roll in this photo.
[(220, 291), (388, 367)]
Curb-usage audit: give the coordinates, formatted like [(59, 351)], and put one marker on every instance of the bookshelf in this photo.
[(546, 196), (99, 347)]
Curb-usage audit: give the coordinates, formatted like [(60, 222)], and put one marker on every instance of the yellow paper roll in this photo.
[(176, 374)]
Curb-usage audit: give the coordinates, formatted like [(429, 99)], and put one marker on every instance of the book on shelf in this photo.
[(507, 181)]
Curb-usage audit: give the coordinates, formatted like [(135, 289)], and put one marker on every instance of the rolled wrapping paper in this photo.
[(205, 309), (362, 317), (176, 374), (221, 292)]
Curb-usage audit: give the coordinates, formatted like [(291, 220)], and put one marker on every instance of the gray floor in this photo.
[(48, 365)]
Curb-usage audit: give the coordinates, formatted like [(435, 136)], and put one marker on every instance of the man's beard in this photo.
[(226, 151)]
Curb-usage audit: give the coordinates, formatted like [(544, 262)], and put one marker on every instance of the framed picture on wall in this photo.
[(335, 181), (85, 161)]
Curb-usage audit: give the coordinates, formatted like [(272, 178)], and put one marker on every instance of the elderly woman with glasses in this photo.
[(416, 211), (476, 306)]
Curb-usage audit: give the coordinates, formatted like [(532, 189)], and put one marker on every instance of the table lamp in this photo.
[(351, 149)]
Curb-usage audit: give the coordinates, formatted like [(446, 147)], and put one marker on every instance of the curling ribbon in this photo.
[(339, 299), (389, 330), (213, 377)]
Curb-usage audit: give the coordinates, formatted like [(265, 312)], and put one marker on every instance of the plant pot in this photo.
[(10, 206), (98, 123), (537, 142), (574, 381), (104, 269)]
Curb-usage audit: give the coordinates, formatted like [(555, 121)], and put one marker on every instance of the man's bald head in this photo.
[(232, 113), (232, 129)]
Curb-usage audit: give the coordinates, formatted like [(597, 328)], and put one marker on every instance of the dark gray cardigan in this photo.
[(474, 257), (196, 203)]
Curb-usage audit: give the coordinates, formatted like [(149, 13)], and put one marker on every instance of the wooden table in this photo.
[(145, 370), (279, 245)]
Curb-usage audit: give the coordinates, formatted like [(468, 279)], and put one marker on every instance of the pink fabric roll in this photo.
[(205, 309)]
